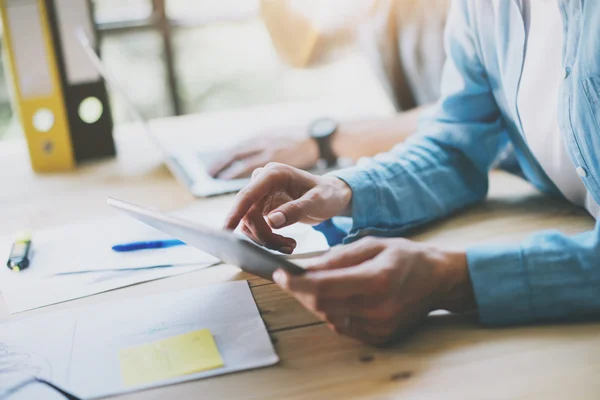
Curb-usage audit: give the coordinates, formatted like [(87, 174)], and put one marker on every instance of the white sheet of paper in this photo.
[(84, 360), (35, 391), (88, 245), (37, 346), (41, 293)]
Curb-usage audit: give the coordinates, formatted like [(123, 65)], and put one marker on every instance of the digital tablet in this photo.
[(224, 245)]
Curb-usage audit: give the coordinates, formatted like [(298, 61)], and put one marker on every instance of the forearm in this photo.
[(445, 166), (416, 183), (355, 139)]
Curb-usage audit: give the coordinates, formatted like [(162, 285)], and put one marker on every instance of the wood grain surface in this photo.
[(450, 357)]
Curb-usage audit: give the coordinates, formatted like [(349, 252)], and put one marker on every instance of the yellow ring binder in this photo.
[(52, 83), (26, 29)]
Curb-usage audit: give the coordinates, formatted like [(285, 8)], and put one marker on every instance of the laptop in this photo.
[(187, 155), (188, 168)]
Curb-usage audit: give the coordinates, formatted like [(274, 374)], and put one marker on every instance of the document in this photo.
[(88, 246), (91, 351), (38, 347), (24, 295)]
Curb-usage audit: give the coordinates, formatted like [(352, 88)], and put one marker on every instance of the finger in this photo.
[(257, 225), (295, 211), (363, 330), (256, 172), (354, 328), (347, 255), (367, 279), (268, 180), (327, 284), (225, 161), (261, 184), (249, 234), (243, 168), (358, 306)]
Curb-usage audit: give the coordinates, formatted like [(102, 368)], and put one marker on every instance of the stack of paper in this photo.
[(24, 295), (87, 246), (119, 347)]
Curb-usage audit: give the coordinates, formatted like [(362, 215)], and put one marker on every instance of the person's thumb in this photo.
[(291, 212)]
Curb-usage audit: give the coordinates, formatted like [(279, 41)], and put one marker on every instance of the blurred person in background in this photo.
[(525, 72), (402, 39)]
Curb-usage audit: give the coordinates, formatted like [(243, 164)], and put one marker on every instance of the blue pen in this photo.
[(155, 244)]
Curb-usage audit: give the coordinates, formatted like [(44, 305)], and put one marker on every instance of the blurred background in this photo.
[(209, 54), (185, 56)]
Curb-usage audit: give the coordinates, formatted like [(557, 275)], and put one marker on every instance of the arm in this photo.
[(293, 146), (370, 137), (549, 276), (445, 166), (398, 282), (444, 169)]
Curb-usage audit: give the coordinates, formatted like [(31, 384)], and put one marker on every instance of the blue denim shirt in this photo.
[(445, 167)]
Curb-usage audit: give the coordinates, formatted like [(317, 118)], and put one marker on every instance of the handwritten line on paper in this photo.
[(18, 361), (93, 271), (169, 358)]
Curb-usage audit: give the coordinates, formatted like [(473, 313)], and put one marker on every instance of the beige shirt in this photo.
[(403, 39)]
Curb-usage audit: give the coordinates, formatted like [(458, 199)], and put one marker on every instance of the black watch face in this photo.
[(323, 128)]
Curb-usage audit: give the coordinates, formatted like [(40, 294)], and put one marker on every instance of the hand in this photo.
[(291, 146), (376, 290), (286, 195)]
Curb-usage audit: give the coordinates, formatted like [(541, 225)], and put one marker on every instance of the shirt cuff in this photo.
[(500, 283), (365, 199)]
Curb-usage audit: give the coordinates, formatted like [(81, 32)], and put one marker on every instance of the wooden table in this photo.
[(450, 357)]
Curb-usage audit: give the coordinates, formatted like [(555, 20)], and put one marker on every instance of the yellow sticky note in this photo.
[(169, 358)]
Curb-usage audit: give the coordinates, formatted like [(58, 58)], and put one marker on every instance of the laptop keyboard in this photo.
[(183, 173)]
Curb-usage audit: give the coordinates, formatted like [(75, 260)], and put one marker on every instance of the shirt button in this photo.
[(581, 172)]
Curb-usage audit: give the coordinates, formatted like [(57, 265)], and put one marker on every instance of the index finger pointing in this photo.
[(259, 187)]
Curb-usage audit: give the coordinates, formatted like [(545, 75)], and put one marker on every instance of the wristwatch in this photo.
[(322, 131)]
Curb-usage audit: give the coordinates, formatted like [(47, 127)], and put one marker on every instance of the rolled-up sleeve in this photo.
[(445, 166), (550, 276)]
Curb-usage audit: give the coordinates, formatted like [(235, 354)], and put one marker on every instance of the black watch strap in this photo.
[(322, 131)]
